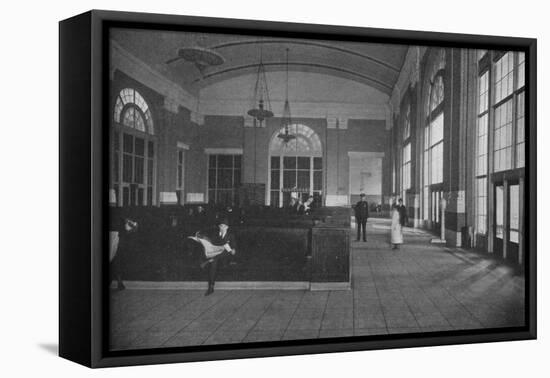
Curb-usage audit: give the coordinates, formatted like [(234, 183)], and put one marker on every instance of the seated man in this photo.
[(306, 207), (200, 213), (216, 247), (292, 207)]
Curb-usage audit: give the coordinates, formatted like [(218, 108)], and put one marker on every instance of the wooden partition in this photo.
[(331, 258)]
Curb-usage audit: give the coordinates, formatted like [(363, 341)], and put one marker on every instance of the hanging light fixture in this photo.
[(202, 57), (261, 96), (286, 119)]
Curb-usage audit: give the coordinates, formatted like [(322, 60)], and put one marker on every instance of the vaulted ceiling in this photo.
[(373, 65)]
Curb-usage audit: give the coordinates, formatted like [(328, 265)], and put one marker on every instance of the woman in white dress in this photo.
[(396, 229)]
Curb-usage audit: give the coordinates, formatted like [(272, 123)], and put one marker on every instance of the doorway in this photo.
[(436, 194), (507, 220)]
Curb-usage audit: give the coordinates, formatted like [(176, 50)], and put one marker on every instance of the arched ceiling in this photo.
[(370, 64), (302, 86)]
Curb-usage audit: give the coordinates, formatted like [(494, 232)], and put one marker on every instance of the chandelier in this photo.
[(286, 119), (261, 96)]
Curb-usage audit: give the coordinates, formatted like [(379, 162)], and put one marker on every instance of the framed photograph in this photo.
[(233, 188)]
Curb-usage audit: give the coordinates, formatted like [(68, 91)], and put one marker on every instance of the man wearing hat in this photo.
[(222, 238), (361, 215)]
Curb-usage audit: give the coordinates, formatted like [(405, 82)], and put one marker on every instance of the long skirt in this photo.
[(396, 233), (113, 244)]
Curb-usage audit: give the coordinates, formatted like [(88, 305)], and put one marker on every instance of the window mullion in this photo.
[(145, 172), (515, 112), (216, 179), (296, 170), (281, 169), (311, 175), (233, 179), (133, 158), (120, 162)]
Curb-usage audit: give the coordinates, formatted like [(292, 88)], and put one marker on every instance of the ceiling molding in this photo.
[(223, 151), (197, 118), (132, 66), (365, 154), (183, 146), (409, 76), (308, 43), (337, 122)]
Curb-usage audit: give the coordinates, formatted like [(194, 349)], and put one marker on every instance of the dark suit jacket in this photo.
[(228, 238), (303, 210), (403, 217), (361, 210), (293, 209)]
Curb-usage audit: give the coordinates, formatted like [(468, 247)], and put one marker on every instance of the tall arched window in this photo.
[(133, 158), (296, 167), (434, 92)]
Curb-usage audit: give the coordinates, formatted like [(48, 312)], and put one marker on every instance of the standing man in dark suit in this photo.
[(220, 238), (361, 216), (403, 217)]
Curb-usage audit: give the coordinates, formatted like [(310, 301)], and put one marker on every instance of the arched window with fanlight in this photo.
[(134, 150), (432, 164), (296, 166)]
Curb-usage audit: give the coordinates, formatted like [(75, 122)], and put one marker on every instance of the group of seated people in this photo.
[(212, 225), (297, 206)]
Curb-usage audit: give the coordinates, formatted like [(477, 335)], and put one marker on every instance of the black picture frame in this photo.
[(83, 72)]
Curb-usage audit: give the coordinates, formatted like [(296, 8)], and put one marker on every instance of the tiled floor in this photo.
[(420, 287)]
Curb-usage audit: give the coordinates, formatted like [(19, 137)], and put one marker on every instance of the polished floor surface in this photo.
[(421, 287)]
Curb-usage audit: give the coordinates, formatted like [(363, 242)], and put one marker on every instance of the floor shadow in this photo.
[(52, 348)]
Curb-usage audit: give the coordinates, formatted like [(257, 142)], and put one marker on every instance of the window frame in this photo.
[(406, 164), (513, 98), (428, 147), (487, 65), (180, 173), (309, 138), (138, 102), (481, 179), (149, 194), (311, 190), (219, 190)]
